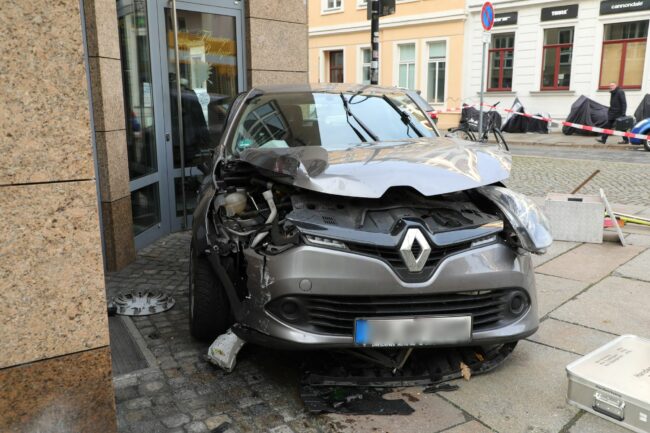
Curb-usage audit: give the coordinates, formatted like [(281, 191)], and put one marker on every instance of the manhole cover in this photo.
[(142, 303)]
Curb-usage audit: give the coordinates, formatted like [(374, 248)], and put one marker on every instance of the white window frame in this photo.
[(397, 62), (327, 10), (360, 62), (425, 69)]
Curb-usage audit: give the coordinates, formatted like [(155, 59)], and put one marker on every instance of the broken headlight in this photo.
[(527, 220), (325, 242)]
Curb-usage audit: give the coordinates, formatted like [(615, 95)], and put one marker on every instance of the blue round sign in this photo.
[(487, 16)]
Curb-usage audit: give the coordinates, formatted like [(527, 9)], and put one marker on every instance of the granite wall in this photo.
[(54, 357), (110, 131), (276, 51)]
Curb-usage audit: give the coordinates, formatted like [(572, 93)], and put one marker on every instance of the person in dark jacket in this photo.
[(617, 108)]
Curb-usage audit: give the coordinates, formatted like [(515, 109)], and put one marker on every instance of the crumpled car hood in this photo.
[(431, 166)]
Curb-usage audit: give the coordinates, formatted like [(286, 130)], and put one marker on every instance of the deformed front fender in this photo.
[(201, 227)]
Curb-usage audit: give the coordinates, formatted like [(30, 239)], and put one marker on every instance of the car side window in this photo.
[(261, 126)]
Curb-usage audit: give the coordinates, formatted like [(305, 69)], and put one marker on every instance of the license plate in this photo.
[(413, 331)]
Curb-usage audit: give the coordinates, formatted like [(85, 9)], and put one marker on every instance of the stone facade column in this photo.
[(55, 366), (110, 131), (279, 52)]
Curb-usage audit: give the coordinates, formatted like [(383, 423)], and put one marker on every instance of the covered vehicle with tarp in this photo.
[(518, 124), (585, 111), (470, 115), (642, 116)]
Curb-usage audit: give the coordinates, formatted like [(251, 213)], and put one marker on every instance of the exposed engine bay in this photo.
[(251, 211)]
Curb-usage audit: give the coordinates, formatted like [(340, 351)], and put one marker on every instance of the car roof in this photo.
[(325, 87)]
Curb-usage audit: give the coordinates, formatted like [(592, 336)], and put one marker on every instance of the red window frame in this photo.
[(337, 68), (621, 70), (501, 61), (556, 73)]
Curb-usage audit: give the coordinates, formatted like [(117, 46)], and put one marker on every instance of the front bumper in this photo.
[(315, 271)]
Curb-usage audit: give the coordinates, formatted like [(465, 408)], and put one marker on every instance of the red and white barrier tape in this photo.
[(564, 123), (453, 110)]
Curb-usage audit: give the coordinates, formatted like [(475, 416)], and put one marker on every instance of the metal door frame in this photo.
[(160, 176), (160, 71)]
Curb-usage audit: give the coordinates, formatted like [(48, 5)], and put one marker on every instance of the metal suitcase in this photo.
[(613, 382)]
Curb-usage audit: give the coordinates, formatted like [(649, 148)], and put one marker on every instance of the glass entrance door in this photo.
[(143, 114), (209, 74)]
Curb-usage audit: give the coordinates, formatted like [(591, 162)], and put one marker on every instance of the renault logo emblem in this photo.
[(415, 241)]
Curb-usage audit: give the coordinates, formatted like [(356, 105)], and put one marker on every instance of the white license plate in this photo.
[(413, 331)]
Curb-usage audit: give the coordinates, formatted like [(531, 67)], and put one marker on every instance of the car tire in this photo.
[(646, 145), (210, 314)]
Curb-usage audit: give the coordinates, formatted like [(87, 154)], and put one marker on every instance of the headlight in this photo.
[(526, 218), (325, 242)]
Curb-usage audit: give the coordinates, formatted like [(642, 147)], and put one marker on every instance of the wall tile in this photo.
[(101, 28), (108, 96), (44, 119), (73, 393), (113, 165), (265, 78), (280, 10), (118, 233), (51, 272), (278, 46)]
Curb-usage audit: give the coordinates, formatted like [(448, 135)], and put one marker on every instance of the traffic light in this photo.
[(386, 7)]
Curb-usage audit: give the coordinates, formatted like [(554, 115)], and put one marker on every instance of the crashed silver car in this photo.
[(339, 217)]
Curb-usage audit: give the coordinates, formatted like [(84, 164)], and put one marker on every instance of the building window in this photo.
[(556, 58), (332, 5), (406, 66), (500, 61), (366, 63), (436, 74), (336, 66), (623, 56)]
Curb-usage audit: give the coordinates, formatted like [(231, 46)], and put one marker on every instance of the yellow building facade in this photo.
[(420, 47)]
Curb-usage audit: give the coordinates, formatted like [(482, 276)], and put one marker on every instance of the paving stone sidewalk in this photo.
[(556, 138)]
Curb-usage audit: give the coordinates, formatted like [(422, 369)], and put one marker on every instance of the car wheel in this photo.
[(209, 306), (646, 145)]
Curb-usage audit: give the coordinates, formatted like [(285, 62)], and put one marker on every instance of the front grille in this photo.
[(393, 258), (336, 314)]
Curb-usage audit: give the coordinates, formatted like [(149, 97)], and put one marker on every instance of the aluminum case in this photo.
[(613, 382)]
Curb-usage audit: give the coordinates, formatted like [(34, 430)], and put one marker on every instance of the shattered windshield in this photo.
[(328, 120)]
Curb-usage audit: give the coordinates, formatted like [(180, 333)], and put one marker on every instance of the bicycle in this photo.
[(468, 129)]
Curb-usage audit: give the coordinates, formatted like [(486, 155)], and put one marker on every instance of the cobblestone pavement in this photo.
[(624, 183), (185, 393), (182, 392)]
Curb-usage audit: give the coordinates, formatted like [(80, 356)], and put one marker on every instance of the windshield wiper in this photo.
[(406, 118), (349, 114)]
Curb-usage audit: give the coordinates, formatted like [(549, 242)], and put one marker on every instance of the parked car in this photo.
[(642, 127), (336, 216)]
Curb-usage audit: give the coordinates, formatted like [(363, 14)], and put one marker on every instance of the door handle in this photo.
[(168, 136)]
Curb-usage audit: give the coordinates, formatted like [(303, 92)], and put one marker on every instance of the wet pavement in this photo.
[(182, 392)]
